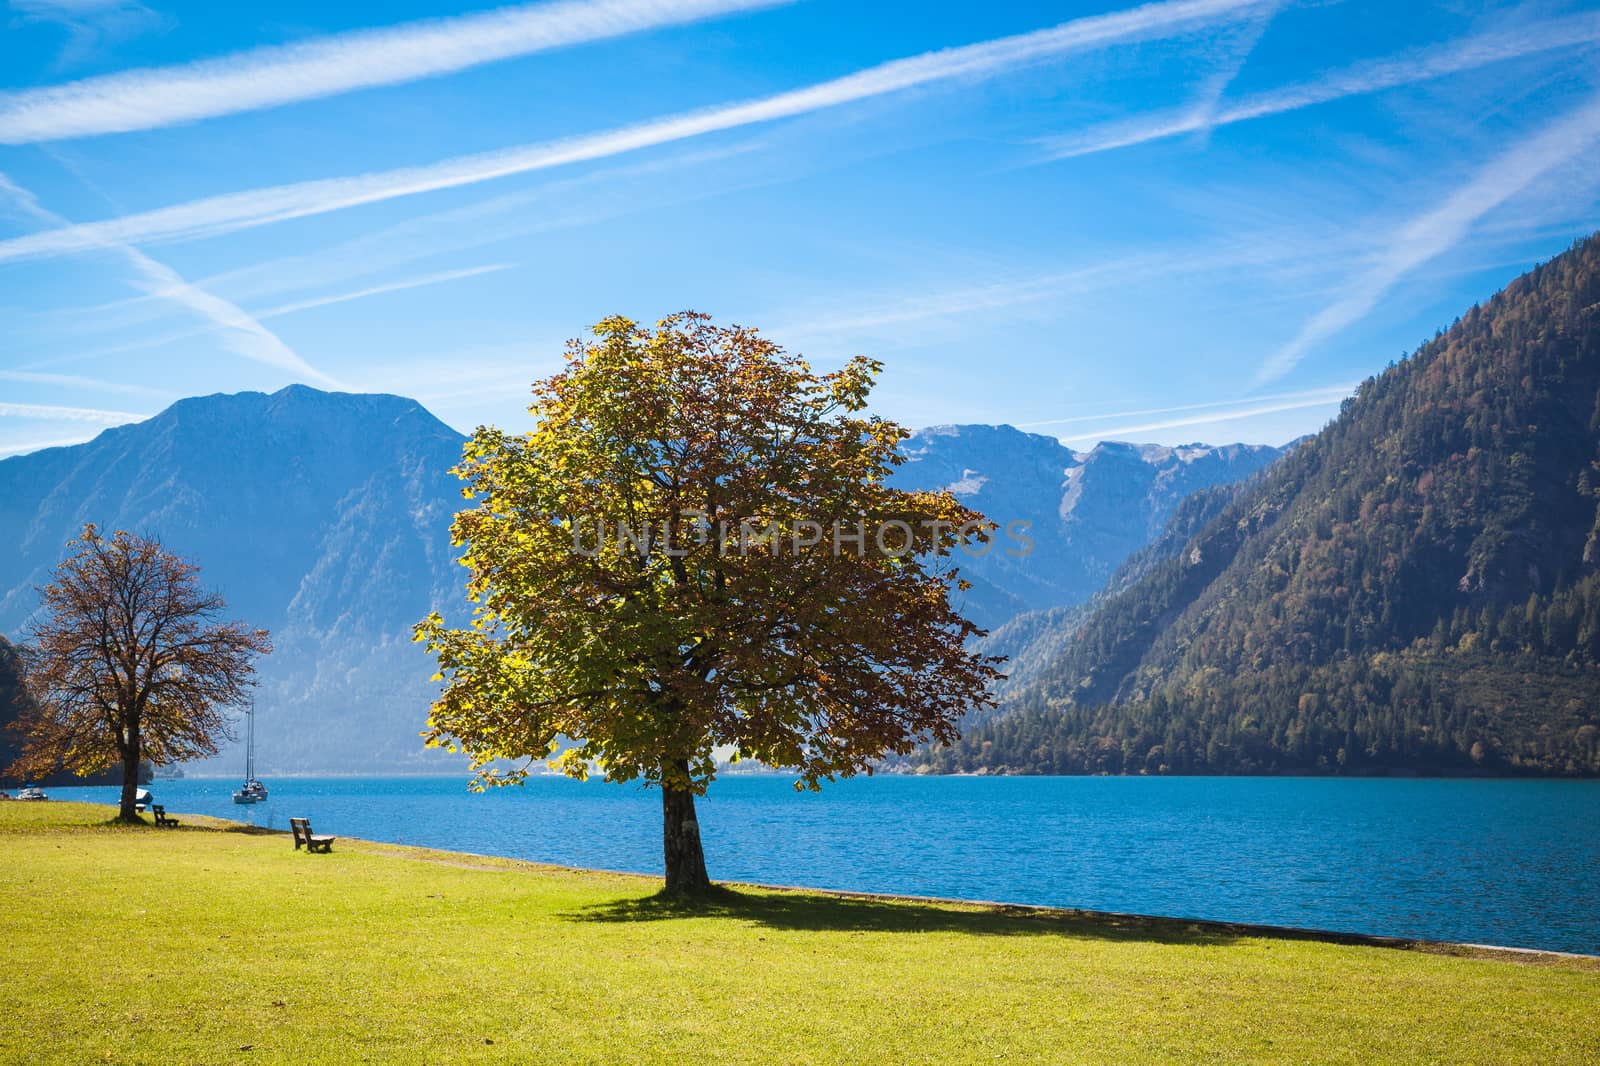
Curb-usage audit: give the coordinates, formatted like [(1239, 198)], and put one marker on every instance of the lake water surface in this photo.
[(1497, 862)]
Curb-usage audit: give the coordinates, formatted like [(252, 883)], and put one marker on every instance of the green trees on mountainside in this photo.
[(12, 695), (1415, 588)]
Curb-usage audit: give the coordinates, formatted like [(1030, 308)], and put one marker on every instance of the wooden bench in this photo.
[(303, 837), (161, 818)]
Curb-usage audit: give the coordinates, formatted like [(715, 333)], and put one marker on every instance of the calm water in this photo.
[(1501, 862)]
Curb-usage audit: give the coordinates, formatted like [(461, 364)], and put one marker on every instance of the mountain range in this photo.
[(1083, 513), (324, 517), (1416, 588)]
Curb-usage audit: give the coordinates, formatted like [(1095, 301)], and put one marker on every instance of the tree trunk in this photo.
[(680, 838), (130, 777)]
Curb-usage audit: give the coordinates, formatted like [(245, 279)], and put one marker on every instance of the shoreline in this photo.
[(1424, 945), (965, 775), (1254, 929)]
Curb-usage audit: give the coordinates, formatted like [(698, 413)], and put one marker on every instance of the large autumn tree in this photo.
[(131, 663), (696, 549)]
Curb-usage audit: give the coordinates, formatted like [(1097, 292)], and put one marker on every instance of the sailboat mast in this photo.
[(250, 745)]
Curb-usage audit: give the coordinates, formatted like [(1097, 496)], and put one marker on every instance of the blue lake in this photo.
[(1497, 862)]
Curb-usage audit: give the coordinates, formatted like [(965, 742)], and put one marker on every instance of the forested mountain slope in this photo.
[(1415, 588)]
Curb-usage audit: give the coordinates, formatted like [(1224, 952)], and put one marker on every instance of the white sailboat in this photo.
[(253, 791)]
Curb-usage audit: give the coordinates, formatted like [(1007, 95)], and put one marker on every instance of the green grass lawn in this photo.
[(168, 947)]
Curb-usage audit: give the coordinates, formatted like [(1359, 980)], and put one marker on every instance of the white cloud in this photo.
[(259, 207), (1282, 253), (39, 445), (1203, 111), (92, 26), (1126, 432), (74, 381), (1436, 231), (50, 413), (214, 325), (969, 299), (240, 332), (393, 286), (56, 10), (273, 76), (1362, 79), (1304, 397), (597, 195)]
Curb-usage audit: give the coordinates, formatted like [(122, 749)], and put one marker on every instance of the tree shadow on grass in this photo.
[(818, 912), (116, 822), (186, 825)]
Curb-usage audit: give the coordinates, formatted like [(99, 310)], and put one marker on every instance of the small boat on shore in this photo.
[(32, 792)]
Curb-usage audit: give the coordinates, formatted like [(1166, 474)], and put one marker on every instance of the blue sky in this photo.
[(1188, 220)]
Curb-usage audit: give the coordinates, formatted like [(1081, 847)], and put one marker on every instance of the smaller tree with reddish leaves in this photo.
[(130, 663)]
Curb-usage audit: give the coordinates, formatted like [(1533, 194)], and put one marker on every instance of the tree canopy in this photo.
[(130, 663), (696, 549)]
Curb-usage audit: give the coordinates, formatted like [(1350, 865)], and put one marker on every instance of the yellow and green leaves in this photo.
[(696, 548)]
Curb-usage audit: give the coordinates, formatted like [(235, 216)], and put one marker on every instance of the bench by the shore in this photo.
[(303, 837)]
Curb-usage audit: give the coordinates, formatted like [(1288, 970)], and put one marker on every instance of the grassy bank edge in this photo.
[(1125, 922)]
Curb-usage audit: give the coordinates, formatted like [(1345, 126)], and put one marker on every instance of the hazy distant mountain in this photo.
[(1034, 641), (323, 517), (1087, 512), (1417, 587)]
